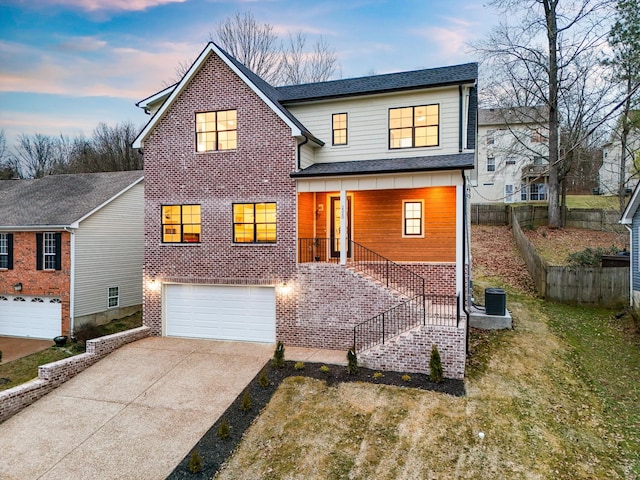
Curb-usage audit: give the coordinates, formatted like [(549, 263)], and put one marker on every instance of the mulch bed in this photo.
[(214, 451)]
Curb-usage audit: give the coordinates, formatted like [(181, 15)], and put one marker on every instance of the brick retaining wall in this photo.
[(54, 374)]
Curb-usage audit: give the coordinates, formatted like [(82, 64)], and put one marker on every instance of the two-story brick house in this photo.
[(321, 215), (71, 251)]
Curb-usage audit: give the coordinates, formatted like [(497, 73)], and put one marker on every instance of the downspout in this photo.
[(631, 263), (306, 140), (465, 245), (460, 121)]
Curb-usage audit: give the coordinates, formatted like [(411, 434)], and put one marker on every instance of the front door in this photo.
[(335, 227)]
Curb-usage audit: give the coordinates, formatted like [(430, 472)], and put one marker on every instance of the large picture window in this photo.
[(216, 131), (254, 222), (414, 126), (181, 223)]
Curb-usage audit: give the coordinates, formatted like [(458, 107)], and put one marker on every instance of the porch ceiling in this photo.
[(389, 165)]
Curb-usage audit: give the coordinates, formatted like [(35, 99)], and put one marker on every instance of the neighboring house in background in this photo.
[(297, 213), (609, 174), (513, 156), (71, 251), (631, 219)]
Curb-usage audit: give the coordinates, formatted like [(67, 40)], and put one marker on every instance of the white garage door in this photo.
[(24, 316), (221, 312)]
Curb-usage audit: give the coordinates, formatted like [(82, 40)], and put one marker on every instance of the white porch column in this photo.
[(343, 226)]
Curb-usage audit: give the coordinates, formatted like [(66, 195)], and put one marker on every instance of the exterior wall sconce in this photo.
[(153, 284), (285, 288), (17, 287)]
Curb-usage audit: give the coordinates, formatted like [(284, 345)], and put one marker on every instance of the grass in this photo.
[(593, 201), (24, 369), (556, 397)]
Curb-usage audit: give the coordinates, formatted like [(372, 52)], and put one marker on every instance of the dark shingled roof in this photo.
[(389, 165), (431, 77), (59, 200)]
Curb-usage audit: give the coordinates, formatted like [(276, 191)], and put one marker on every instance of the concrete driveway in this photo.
[(135, 414)]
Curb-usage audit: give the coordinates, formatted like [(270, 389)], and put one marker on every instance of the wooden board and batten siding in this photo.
[(109, 251)]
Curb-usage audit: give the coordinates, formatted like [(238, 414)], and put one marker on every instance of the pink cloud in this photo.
[(111, 5)]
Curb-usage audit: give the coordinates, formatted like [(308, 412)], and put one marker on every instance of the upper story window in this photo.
[(414, 126), (491, 137), (181, 223), (49, 251), (510, 161), (491, 164), (254, 222), (339, 126), (216, 131), (413, 218), (6, 251), (537, 137)]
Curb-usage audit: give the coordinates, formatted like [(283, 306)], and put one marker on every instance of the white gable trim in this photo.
[(209, 49), (630, 211)]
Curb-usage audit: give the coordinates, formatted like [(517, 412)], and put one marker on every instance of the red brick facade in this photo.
[(48, 283), (323, 301)]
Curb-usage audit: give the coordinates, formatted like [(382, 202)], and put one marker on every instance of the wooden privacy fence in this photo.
[(588, 285)]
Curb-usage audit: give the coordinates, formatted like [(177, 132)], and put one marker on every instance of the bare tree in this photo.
[(253, 43), (625, 62), (7, 170), (108, 150), (533, 62), (298, 66), (35, 155)]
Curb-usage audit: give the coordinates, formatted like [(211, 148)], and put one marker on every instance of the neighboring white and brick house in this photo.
[(609, 173), (71, 251), (296, 213), (513, 156)]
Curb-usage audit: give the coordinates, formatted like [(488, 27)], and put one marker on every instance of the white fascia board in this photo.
[(210, 48), (632, 207), (163, 94)]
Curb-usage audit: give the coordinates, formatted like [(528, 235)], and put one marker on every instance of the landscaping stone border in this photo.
[(54, 374)]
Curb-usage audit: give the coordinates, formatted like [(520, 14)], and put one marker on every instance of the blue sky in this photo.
[(66, 65)]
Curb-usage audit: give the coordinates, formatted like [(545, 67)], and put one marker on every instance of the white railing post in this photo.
[(344, 211)]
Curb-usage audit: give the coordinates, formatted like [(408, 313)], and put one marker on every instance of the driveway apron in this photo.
[(135, 414)]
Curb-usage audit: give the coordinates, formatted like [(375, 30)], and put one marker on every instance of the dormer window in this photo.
[(216, 131), (413, 127)]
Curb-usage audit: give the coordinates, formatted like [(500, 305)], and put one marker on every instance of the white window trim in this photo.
[(423, 226), (109, 297), (492, 164), (4, 247), (51, 236)]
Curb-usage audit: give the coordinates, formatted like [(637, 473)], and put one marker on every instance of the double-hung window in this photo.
[(113, 297), (216, 131), (413, 218), (254, 222), (491, 164), (6, 251), (339, 126), (181, 223), (414, 126), (49, 251)]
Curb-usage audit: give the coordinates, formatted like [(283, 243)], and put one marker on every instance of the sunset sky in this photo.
[(66, 65)]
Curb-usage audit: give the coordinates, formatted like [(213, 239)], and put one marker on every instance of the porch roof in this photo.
[(456, 161)]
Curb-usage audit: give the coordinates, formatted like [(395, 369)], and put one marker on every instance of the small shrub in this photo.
[(246, 404), (223, 430), (278, 355), (86, 332), (436, 374), (195, 463), (324, 369), (263, 380), (352, 361), (299, 366), (406, 377), (590, 257), (378, 375)]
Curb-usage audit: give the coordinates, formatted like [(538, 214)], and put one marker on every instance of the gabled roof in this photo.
[(455, 161), (632, 207), (513, 115), (390, 82), (259, 86), (60, 200)]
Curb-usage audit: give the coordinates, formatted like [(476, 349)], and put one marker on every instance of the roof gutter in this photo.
[(306, 140), (34, 228)]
